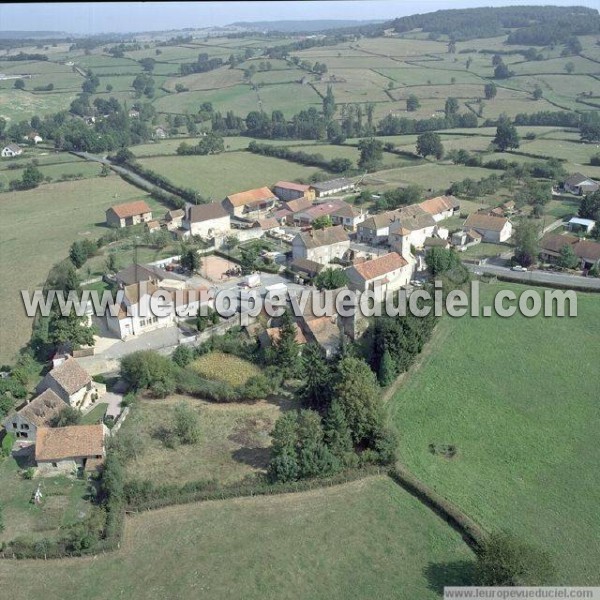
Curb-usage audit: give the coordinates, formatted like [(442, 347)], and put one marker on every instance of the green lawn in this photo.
[(361, 540), (217, 176), (96, 415), (37, 228), (519, 398)]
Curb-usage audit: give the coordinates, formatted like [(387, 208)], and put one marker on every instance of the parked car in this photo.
[(518, 268)]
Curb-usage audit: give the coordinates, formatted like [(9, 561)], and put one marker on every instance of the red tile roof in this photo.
[(480, 221), (289, 185), (130, 209), (435, 206), (69, 442), (251, 196), (371, 269)]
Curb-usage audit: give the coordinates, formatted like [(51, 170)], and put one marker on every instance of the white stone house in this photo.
[(385, 274), (376, 229), (492, 229), (207, 220), (441, 207), (38, 413), (63, 450), (11, 150), (253, 204), (71, 382), (322, 245), (580, 184)]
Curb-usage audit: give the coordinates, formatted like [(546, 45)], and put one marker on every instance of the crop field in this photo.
[(522, 422), (363, 539), (224, 367), (37, 228), (217, 176), (235, 441)]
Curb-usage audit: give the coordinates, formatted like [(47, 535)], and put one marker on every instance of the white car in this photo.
[(518, 268)]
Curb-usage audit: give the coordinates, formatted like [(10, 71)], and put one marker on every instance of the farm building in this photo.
[(174, 218), (130, 213), (207, 220), (34, 137), (441, 207), (287, 190), (38, 413), (68, 449), (71, 382), (418, 222), (306, 268), (376, 229), (492, 229), (581, 225), (349, 216), (580, 184), (321, 246), (11, 150), (306, 217), (252, 204), (588, 251), (333, 186), (464, 239), (386, 273)]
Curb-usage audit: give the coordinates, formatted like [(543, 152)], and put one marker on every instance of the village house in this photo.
[(464, 239), (137, 273), (253, 204), (11, 150), (418, 222), (130, 213), (160, 133), (271, 335), (287, 211), (349, 216), (152, 226), (307, 269), (34, 137), (306, 217), (287, 190), (174, 219), (270, 224), (66, 450), (207, 220), (385, 274), (333, 186), (435, 242), (492, 229), (441, 207), (581, 225), (38, 413), (134, 113), (587, 251), (71, 382), (321, 246), (580, 184), (376, 229)]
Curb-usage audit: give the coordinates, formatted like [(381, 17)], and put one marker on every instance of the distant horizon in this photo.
[(84, 18)]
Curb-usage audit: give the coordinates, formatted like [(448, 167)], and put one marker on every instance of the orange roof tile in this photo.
[(130, 209), (250, 196), (382, 265), (69, 442)]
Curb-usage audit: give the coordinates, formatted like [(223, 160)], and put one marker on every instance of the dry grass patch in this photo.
[(225, 367)]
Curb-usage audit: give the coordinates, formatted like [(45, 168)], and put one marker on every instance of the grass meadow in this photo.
[(37, 227), (519, 399), (363, 539)]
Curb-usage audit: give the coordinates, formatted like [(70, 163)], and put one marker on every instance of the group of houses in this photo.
[(61, 449), (587, 251)]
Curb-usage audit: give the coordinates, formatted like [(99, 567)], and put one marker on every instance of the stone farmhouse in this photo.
[(207, 220), (130, 213), (72, 383), (68, 449), (333, 186), (253, 204), (287, 190), (38, 413), (580, 184), (11, 150), (387, 273), (491, 228), (441, 207), (321, 246)]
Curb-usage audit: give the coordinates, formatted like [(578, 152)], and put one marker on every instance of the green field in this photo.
[(523, 417), (217, 176), (37, 228), (364, 539)]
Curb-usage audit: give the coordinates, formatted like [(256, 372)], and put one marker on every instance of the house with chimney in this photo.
[(40, 412), (321, 246)]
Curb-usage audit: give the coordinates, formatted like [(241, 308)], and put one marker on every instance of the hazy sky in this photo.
[(152, 16)]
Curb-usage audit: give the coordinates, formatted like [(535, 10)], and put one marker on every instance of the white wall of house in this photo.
[(496, 236), (389, 282), (21, 428), (209, 228), (373, 236), (323, 254)]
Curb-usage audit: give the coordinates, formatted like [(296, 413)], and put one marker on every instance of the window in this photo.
[(14, 426), (24, 426), (55, 465)]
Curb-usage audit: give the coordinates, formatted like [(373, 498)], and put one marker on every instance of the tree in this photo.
[(329, 103), (430, 143), (336, 432), (371, 153), (503, 560), (190, 260), (451, 108), (31, 177), (322, 222), (186, 424), (67, 416), (183, 355), (317, 378), (568, 259), (490, 90), (286, 348), (526, 239), (537, 92), (452, 47), (589, 126), (331, 279), (70, 329), (412, 103), (357, 393), (590, 207), (145, 368), (109, 88), (387, 369), (284, 463), (502, 72), (506, 136), (441, 260), (569, 68), (19, 84)]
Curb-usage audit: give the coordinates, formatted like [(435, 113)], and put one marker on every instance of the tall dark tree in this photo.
[(506, 136), (371, 153), (451, 108), (490, 90), (430, 144), (329, 103), (317, 378)]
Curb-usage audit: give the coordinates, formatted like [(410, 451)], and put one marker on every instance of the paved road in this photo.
[(571, 281)]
